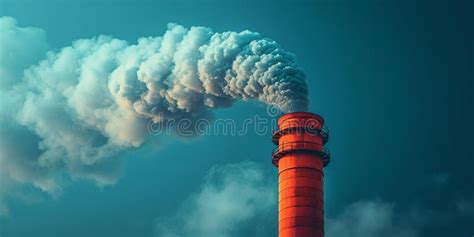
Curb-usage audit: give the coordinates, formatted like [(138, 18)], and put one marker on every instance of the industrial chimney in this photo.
[(300, 158)]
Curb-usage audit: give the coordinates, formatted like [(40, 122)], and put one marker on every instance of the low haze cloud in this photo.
[(241, 200), (232, 199), (370, 219)]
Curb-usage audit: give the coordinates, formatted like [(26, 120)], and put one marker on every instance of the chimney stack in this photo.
[(300, 158)]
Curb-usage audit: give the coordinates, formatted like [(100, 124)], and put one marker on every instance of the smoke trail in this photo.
[(79, 105)]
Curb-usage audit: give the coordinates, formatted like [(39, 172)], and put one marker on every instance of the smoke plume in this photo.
[(70, 110)]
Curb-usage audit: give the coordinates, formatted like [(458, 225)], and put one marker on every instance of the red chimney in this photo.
[(300, 158)]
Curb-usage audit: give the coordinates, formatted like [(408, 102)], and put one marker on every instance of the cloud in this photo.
[(233, 198), (66, 114), (465, 205), (20, 47), (370, 219)]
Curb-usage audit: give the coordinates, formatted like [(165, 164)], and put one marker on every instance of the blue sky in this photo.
[(392, 79)]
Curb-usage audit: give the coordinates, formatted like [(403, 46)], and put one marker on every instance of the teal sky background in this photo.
[(393, 80)]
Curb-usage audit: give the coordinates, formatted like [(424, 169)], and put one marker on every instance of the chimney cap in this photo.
[(300, 115)]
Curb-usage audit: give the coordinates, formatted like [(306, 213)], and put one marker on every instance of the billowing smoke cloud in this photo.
[(232, 199), (68, 112)]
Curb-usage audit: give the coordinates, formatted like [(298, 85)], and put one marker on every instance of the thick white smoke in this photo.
[(70, 110)]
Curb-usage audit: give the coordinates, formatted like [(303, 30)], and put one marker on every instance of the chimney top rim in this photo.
[(300, 115)]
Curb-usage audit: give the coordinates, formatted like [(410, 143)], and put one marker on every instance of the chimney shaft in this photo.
[(300, 158)]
